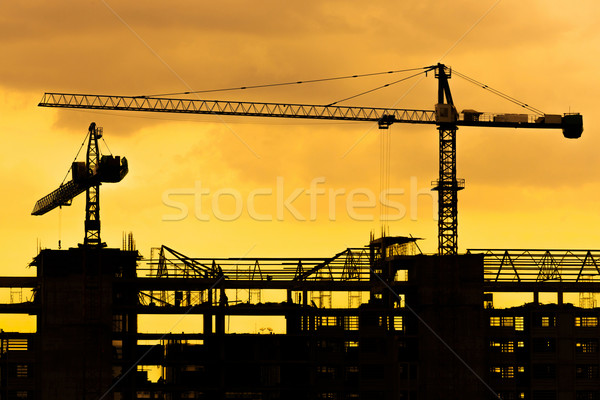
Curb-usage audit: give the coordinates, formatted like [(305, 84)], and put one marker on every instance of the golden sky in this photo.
[(525, 188)]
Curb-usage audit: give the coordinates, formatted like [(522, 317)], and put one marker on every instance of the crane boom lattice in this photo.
[(60, 197), (256, 109)]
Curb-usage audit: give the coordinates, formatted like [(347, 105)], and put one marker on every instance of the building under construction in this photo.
[(379, 322)]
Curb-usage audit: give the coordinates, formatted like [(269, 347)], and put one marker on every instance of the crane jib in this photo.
[(196, 106), (570, 123)]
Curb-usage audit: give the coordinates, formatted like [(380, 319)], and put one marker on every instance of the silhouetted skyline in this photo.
[(524, 189)]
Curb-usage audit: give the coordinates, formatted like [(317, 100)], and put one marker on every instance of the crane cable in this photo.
[(77, 155), (63, 181), (106, 144), (498, 93), (59, 226), (284, 83), (378, 87), (75, 159), (384, 177)]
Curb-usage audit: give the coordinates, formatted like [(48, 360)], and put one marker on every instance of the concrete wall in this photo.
[(75, 324)]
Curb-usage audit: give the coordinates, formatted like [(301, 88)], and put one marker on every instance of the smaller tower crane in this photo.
[(87, 177)]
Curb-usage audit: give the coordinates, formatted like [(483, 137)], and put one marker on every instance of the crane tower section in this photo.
[(447, 184)]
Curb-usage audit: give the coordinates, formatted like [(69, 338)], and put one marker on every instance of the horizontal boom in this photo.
[(571, 123)]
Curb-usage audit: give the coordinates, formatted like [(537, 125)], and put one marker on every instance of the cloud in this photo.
[(540, 52), (90, 45)]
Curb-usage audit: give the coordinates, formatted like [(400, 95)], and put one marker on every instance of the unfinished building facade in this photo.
[(379, 322)]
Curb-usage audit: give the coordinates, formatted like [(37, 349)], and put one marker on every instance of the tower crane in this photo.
[(87, 177), (445, 116)]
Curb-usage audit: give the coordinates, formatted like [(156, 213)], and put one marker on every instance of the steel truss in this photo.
[(447, 187), (579, 266), (348, 267)]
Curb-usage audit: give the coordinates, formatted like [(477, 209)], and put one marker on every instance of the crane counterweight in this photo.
[(572, 126)]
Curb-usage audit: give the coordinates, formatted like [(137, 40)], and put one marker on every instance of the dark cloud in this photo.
[(541, 52), (87, 46)]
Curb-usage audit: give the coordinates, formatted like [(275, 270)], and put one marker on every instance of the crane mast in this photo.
[(447, 184), (92, 198), (445, 116)]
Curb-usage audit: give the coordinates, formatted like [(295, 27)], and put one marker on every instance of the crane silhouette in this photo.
[(87, 177), (445, 116)]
